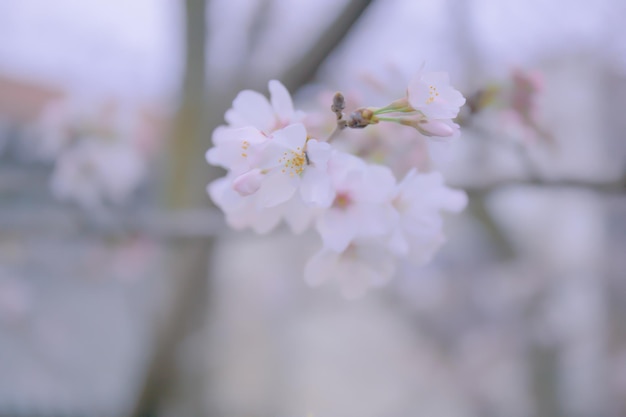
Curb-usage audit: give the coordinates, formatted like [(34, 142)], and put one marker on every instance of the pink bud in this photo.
[(248, 182), (435, 128)]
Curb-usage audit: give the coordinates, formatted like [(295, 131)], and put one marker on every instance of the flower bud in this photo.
[(361, 118), (401, 105), (428, 127), (339, 104), (435, 128), (248, 182)]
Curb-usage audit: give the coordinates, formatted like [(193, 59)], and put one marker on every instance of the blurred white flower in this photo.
[(236, 149), (419, 199), (251, 108), (54, 130), (99, 149), (15, 298), (443, 128), (362, 202), (94, 171), (125, 171), (432, 95), (375, 223), (249, 182), (362, 265), (243, 211)]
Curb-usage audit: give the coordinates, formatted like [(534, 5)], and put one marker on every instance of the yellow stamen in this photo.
[(432, 94), (293, 162)]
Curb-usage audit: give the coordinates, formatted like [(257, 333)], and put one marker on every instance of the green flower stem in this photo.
[(389, 119)]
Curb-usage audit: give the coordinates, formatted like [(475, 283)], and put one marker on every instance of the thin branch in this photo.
[(534, 175), (305, 69), (617, 186), (109, 223), (260, 21), (502, 245)]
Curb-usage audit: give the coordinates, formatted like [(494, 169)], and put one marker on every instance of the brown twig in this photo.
[(617, 186), (305, 69)]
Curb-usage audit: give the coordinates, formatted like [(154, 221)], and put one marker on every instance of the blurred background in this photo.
[(123, 293)]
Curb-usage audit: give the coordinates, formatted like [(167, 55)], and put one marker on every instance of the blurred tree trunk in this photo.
[(188, 171), (188, 175), (186, 264)]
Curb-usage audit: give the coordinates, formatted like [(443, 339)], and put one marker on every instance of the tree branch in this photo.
[(305, 69), (617, 186)]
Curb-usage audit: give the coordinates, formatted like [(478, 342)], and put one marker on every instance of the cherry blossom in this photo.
[(441, 128), (236, 149), (368, 222), (358, 254), (431, 94), (363, 264), (251, 108), (290, 161), (362, 202), (94, 171), (418, 200), (244, 211), (98, 148)]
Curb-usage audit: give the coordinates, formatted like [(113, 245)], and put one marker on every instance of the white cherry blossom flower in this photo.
[(419, 200), (432, 94), (237, 150), (362, 265), (437, 128), (249, 182), (362, 202), (251, 108), (94, 171), (291, 162), (274, 166), (243, 211)]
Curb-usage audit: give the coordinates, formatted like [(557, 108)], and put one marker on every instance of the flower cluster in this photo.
[(367, 220), (99, 153)]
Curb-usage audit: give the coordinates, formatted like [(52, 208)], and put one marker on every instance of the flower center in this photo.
[(400, 204), (342, 200), (293, 162), (244, 147), (432, 94)]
